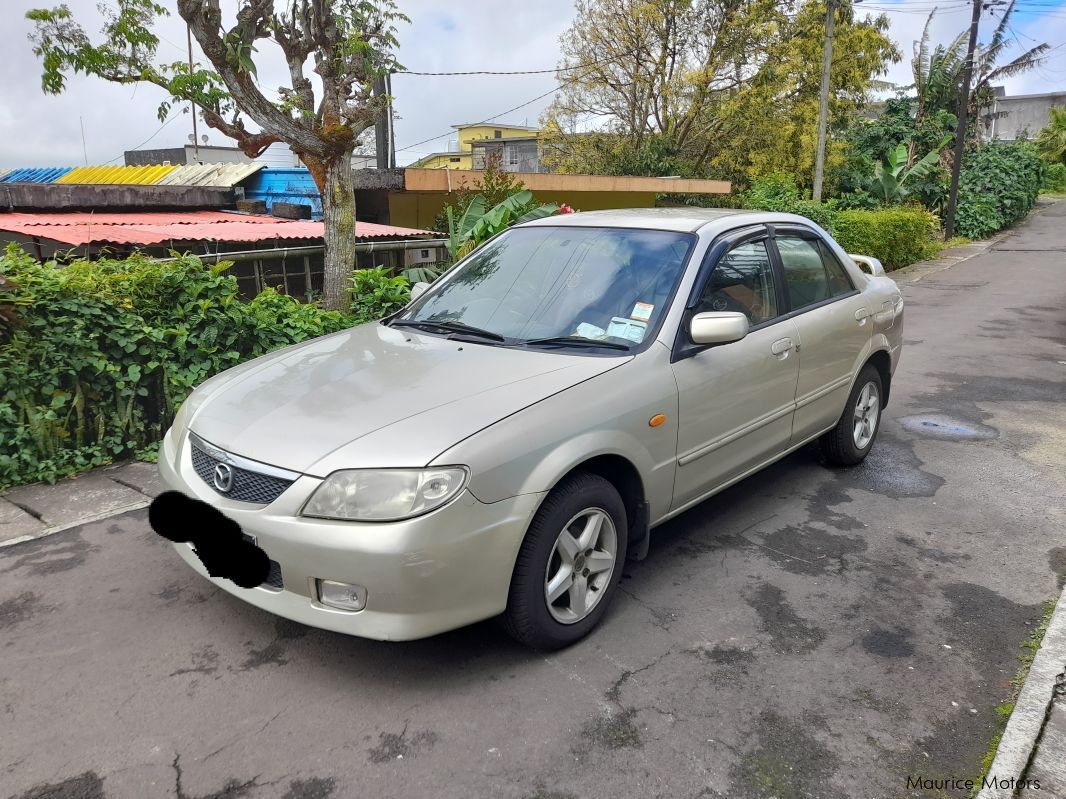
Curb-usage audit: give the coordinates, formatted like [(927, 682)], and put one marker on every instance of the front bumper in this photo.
[(423, 576)]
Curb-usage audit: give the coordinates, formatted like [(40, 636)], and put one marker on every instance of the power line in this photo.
[(137, 147), (487, 118)]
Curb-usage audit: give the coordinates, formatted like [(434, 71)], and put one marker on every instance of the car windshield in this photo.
[(559, 287)]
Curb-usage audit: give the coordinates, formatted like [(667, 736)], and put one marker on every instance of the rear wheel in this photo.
[(569, 564), (850, 441)]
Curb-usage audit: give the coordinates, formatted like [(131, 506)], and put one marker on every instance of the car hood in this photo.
[(375, 396)]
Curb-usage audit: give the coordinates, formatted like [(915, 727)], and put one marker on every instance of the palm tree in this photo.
[(938, 73), (1051, 141)]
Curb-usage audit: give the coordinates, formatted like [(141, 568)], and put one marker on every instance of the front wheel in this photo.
[(569, 564), (850, 441)]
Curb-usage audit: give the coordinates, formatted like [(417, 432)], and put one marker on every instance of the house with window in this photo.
[(461, 155)]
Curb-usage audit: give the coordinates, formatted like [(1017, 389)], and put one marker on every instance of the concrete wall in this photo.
[(1025, 115)]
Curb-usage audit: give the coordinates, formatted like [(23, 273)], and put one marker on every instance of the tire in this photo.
[(843, 445), (584, 504)]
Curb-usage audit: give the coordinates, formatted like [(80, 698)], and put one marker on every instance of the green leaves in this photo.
[(105, 351), (478, 224), (375, 294)]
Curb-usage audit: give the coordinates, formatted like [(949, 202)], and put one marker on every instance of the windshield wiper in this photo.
[(579, 341), (448, 326)]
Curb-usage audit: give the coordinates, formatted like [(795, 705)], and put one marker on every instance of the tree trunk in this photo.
[(338, 211)]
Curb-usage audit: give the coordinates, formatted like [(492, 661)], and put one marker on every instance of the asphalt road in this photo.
[(808, 633)]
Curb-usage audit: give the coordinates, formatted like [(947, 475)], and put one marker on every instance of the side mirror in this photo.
[(418, 289), (870, 266), (718, 328)]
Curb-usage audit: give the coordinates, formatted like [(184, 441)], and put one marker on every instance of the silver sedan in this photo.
[(502, 444)]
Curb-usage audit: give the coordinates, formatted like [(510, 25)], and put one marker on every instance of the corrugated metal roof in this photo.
[(111, 175), (221, 175), (3, 172), (152, 228), (35, 174)]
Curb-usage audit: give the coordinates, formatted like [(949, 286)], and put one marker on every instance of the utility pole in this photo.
[(960, 129), (384, 139), (823, 102), (192, 105)]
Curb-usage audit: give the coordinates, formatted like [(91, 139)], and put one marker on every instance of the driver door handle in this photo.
[(781, 346)]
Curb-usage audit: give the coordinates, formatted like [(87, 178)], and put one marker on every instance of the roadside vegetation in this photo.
[(1030, 646)]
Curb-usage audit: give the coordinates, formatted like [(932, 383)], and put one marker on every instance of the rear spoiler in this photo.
[(870, 266)]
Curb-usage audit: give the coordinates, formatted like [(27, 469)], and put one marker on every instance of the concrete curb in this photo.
[(96, 517), (1026, 723)]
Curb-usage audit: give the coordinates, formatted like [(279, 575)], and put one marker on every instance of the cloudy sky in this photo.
[(41, 130)]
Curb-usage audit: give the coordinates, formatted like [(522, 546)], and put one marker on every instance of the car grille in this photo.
[(248, 486)]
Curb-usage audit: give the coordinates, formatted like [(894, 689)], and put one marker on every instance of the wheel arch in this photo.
[(882, 362), (623, 474)]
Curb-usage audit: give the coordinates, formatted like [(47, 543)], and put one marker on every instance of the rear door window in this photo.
[(812, 274)]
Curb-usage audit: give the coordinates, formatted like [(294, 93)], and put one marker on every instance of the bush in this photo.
[(997, 187), (1055, 178), (376, 295), (778, 192), (895, 236), (105, 351)]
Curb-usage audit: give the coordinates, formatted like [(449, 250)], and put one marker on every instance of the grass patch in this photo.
[(1030, 646)]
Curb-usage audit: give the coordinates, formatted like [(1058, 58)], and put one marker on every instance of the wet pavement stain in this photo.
[(313, 788), (85, 786), (789, 634), (273, 654), (204, 661), (892, 470), (787, 762), (807, 550), (397, 747), (933, 553), (829, 495), (53, 554), (889, 643), (613, 731), (947, 428), (960, 394), (22, 608)]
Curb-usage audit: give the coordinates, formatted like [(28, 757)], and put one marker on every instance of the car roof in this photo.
[(683, 220)]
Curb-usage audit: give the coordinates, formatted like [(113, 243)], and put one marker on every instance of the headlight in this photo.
[(384, 495)]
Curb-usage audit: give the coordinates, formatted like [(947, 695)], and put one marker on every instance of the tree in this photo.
[(938, 72), (346, 44), (696, 88), (1051, 141)]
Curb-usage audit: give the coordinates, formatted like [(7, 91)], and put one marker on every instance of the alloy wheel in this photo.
[(580, 565), (867, 408)]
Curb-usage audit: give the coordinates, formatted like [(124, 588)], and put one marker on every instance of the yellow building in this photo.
[(462, 158)]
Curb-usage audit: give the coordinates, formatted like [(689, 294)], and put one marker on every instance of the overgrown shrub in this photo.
[(375, 294), (895, 236), (997, 187), (1055, 178), (105, 351)]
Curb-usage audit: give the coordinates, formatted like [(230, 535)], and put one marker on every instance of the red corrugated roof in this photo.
[(159, 227)]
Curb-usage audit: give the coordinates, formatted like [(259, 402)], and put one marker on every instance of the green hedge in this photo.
[(895, 236), (101, 353), (1055, 178), (998, 185)]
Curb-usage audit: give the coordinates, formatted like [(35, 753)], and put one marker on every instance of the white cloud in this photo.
[(40, 130)]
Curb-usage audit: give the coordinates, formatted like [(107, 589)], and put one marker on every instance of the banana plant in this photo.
[(478, 224), (892, 174)]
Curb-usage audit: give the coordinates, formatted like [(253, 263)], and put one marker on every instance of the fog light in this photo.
[(343, 596)]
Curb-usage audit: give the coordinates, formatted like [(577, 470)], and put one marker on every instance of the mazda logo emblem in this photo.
[(223, 477)]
